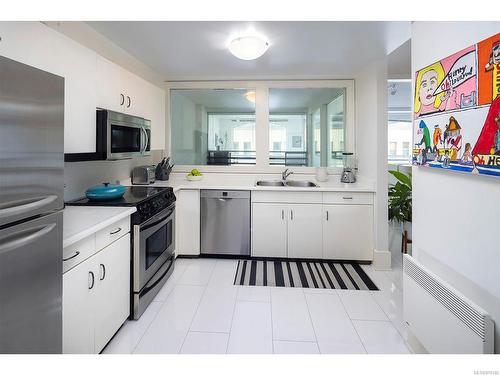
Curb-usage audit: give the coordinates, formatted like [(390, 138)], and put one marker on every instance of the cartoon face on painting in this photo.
[(428, 86), (495, 53)]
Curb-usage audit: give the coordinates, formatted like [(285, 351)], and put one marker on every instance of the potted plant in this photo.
[(400, 200)]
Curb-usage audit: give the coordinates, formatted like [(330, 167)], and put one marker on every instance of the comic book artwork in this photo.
[(457, 111), (447, 84)]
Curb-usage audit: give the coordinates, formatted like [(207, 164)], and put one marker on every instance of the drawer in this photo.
[(78, 252), (111, 233), (286, 196), (347, 198)]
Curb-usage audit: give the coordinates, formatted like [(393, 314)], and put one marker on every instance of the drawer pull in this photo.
[(116, 231), (93, 279), (71, 257), (103, 272), (350, 198)]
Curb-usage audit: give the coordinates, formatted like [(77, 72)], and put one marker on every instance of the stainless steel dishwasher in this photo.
[(225, 222)]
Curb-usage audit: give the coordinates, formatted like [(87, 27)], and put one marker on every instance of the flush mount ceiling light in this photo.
[(250, 96), (248, 47)]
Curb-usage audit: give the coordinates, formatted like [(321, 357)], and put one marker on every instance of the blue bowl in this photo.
[(105, 192)]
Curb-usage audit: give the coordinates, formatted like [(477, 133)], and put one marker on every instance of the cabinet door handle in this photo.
[(103, 272), (129, 101), (71, 257), (122, 99), (116, 231), (93, 279), (326, 215), (291, 214), (282, 214), (346, 197)]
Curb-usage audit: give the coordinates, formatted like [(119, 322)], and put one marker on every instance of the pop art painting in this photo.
[(488, 62), (457, 111), (447, 84)]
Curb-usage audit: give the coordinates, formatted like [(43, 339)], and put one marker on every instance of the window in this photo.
[(301, 119), (209, 125), (306, 123), (399, 116), (393, 148)]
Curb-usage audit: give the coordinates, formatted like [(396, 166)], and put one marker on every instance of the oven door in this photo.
[(154, 243)]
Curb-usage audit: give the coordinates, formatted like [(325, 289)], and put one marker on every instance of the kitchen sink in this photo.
[(270, 183), (291, 183), (294, 183)]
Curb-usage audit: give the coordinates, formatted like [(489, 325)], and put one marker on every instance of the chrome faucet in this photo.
[(285, 174)]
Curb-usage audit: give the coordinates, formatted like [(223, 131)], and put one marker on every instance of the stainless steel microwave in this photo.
[(121, 136)]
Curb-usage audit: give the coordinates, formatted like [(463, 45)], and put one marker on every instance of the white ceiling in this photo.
[(197, 50)]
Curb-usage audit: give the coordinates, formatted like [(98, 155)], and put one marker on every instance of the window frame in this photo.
[(262, 120)]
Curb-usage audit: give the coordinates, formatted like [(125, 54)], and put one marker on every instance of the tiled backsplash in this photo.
[(79, 176)]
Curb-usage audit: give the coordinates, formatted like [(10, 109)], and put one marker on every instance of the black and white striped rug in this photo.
[(303, 274)]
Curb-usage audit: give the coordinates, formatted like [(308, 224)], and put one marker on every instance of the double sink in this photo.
[(291, 183)]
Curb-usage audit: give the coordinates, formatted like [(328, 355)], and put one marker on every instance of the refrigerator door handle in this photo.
[(23, 208), (11, 244)]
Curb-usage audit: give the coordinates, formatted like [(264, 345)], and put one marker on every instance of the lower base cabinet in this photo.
[(348, 232), (269, 230), (96, 298), (333, 230), (187, 216), (305, 231)]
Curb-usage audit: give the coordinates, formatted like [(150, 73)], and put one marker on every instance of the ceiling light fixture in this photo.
[(248, 47), (250, 96)]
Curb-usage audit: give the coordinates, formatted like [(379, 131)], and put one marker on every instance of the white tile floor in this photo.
[(199, 311)]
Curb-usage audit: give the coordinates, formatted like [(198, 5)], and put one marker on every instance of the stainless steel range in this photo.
[(152, 241)]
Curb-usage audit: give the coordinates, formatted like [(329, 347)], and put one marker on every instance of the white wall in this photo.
[(371, 140), (456, 216)]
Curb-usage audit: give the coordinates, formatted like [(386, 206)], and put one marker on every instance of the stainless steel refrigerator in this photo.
[(31, 203)]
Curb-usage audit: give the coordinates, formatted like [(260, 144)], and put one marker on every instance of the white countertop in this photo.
[(80, 221), (242, 181)]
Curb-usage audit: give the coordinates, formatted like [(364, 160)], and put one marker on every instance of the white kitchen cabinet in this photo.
[(348, 232), (112, 299), (269, 230), (78, 308), (39, 46), (187, 216), (305, 231), (96, 298), (127, 93)]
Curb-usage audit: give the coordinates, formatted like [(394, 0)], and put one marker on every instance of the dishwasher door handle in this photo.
[(224, 199)]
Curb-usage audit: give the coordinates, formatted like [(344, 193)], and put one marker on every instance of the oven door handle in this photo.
[(147, 288), (156, 222)]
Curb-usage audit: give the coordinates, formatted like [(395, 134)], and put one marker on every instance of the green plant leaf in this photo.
[(405, 179)]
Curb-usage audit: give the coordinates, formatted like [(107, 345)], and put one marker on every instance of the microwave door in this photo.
[(125, 141)]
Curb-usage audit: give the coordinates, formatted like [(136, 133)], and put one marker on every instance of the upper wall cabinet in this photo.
[(36, 45), (125, 92), (90, 81)]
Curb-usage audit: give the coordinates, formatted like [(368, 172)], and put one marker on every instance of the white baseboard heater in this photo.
[(442, 318)]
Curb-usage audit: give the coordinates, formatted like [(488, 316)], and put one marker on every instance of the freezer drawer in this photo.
[(225, 222), (31, 141), (31, 286)]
